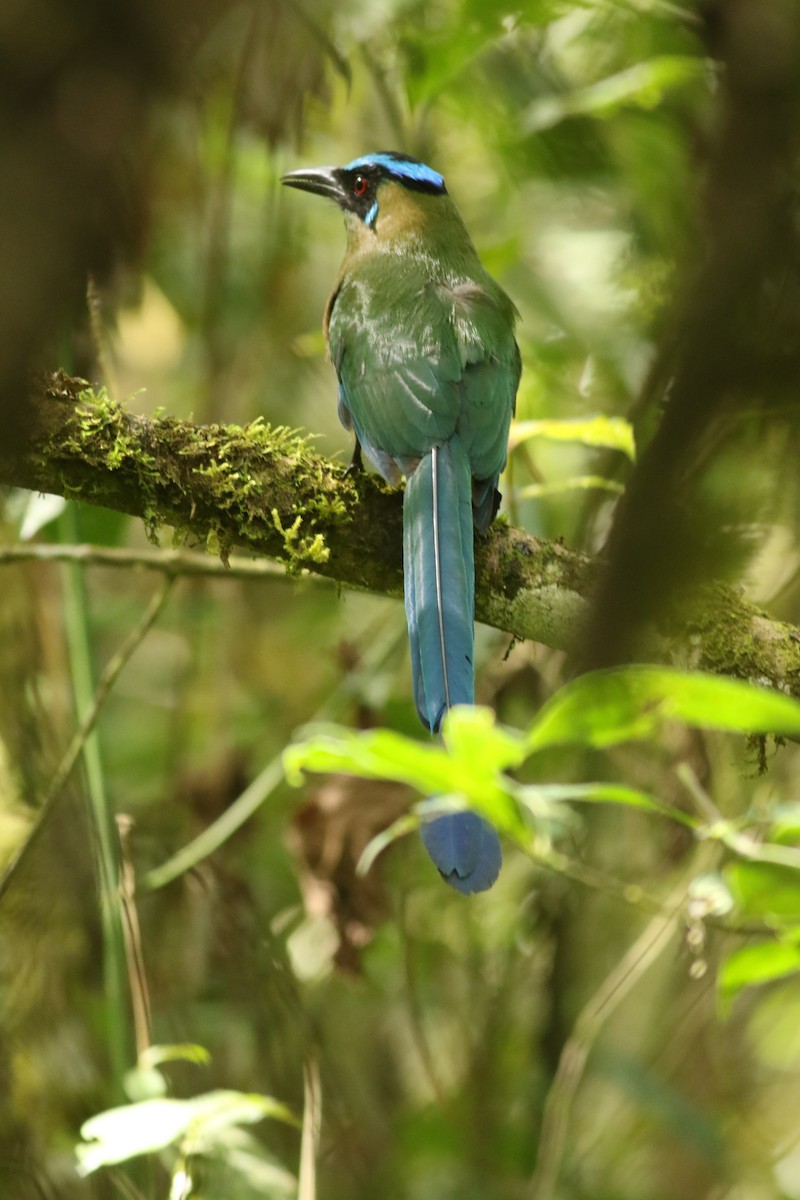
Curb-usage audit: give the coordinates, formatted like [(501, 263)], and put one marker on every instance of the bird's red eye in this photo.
[(360, 186)]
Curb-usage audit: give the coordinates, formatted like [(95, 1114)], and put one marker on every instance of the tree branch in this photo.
[(268, 492)]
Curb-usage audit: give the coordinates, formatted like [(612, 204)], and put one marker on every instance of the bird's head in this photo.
[(385, 195)]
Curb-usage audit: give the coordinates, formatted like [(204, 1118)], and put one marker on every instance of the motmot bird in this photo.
[(422, 341)]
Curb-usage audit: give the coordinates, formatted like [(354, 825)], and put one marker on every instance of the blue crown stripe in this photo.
[(400, 167)]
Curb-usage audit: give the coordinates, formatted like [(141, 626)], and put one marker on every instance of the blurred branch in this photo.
[(730, 344), (268, 492), (167, 562)]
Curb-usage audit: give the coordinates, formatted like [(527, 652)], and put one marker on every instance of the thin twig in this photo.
[(137, 977), (170, 562), (309, 1141), (722, 830)]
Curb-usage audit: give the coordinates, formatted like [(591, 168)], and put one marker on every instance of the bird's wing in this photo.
[(418, 360), (398, 365), (484, 323)]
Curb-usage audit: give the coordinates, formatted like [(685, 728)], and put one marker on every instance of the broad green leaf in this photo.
[(604, 708), (378, 754), (472, 735), (479, 751), (466, 771), (220, 1110), (133, 1129), (613, 433), (753, 965), (600, 793), (643, 85), (574, 483), (785, 824), (153, 1056), (766, 891)]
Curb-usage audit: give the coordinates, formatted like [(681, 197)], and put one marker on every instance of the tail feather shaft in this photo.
[(439, 593), (440, 580)]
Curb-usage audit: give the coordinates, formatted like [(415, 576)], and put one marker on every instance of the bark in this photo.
[(267, 492)]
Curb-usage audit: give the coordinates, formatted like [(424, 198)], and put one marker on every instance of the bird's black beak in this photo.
[(323, 181)]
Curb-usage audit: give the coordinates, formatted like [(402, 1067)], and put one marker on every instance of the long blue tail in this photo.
[(440, 605)]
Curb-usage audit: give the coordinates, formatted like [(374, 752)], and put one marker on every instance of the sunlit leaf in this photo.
[(600, 793), (765, 890), (753, 965), (574, 483), (377, 754), (476, 750), (132, 1129), (472, 735), (604, 708), (612, 433), (785, 823), (153, 1056), (643, 85)]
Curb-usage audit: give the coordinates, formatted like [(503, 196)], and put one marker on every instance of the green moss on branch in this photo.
[(267, 491)]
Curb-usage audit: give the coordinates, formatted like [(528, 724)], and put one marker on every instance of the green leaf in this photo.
[(475, 751), (605, 708), (153, 1056), (766, 891), (574, 483), (599, 793), (465, 771), (785, 824), (753, 965), (132, 1129), (220, 1110), (613, 433), (473, 736), (378, 754), (643, 85)]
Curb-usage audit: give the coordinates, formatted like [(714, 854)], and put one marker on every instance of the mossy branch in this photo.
[(267, 491)]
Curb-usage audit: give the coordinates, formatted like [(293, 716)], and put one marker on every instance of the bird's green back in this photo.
[(421, 336)]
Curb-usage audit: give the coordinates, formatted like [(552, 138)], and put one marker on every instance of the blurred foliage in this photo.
[(144, 145)]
